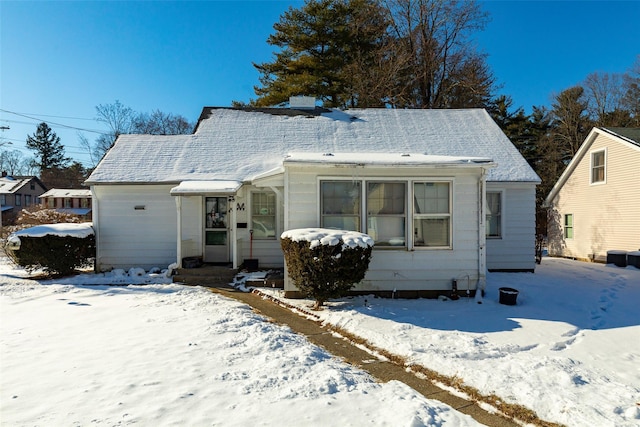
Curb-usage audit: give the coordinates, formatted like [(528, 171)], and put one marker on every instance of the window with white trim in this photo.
[(263, 215), (493, 215), (568, 226), (340, 204), (386, 212), (432, 214), (598, 166)]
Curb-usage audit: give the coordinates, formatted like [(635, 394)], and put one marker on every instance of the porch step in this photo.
[(206, 275)]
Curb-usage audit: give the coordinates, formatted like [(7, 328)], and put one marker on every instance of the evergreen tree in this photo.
[(570, 122), (49, 152), (321, 43)]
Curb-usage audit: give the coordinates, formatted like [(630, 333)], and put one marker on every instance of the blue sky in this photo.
[(59, 59)]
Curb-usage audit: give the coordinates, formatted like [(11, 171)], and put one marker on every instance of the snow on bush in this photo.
[(325, 263)]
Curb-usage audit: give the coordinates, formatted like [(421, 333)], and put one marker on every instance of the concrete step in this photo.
[(206, 275)]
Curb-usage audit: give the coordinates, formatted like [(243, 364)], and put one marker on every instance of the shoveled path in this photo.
[(381, 370)]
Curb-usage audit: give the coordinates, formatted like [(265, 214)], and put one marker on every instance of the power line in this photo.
[(50, 122)]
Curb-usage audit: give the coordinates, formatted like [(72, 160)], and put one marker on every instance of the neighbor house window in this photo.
[(84, 203), (598, 164), (340, 204), (568, 226), (27, 200), (18, 199), (51, 202), (432, 214), (263, 215), (386, 213), (493, 215), (3, 199), (68, 203)]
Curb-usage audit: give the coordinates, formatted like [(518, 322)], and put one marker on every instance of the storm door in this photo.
[(216, 232)]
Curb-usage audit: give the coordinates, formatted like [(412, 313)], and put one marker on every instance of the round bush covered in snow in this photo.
[(325, 263)]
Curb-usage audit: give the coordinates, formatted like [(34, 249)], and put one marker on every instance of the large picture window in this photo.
[(341, 202), (493, 212), (263, 215), (598, 167), (432, 214), (386, 207)]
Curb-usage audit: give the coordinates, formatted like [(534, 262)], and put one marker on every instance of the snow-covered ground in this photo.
[(73, 352)]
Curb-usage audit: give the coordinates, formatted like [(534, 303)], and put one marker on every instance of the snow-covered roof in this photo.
[(11, 184), (64, 192), (385, 159), (200, 187), (237, 145)]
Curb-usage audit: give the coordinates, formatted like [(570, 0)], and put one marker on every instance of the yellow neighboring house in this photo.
[(595, 205)]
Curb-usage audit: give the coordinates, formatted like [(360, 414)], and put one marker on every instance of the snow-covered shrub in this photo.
[(324, 263), (57, 249)]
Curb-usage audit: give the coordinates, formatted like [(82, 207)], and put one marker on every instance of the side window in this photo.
[(68, 203), (598, 167), (3, 199), (18, 199), (386, 213), (340, 204), (568, 226), (493, 211), (51, 202), (27, 199), (263, 215), (432, 214)]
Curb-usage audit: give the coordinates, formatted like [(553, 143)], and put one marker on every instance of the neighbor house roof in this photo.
[(11, 184), (63, 193), (237, 145), (632, 135)]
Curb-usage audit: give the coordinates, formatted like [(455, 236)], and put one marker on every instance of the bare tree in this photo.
[(603, 92), (631, 93), (119, 120), (160, 123), (435, 35)]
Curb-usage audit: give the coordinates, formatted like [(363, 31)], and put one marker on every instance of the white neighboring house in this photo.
[(417, 181), (595, 205), (71, 201)]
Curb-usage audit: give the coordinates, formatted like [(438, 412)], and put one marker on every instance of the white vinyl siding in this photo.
[(515, 250), (129, 237)]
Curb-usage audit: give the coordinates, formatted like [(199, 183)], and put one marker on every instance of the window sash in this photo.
[(568, 226), (263, 215), (340, 204), (597, 166), (386, 213), (432, 214), (493, 214)]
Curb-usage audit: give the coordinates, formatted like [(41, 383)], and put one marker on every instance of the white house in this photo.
[(444, 193), (594, 207)]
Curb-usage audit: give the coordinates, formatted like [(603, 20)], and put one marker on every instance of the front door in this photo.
[(216, 232)]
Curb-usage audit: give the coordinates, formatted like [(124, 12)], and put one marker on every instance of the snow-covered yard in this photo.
[(165, 354)]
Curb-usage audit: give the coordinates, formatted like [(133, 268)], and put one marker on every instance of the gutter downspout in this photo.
[(234, 232), (96, 227), (179, 239), (482, 238)]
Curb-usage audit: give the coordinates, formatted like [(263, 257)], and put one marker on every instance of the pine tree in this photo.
[(322, 44), (49, 152)]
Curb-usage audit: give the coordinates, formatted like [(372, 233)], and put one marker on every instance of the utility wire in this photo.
[(50, 122)]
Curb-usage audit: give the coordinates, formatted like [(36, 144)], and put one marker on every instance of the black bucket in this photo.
[(508, 296)]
